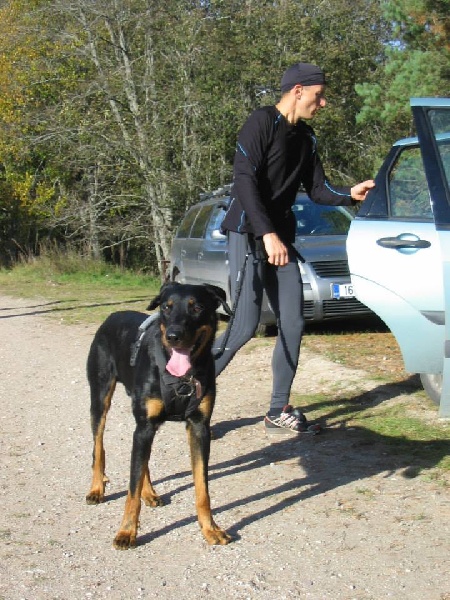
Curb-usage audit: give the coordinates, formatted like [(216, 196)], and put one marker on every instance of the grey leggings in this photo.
[(284, 290)]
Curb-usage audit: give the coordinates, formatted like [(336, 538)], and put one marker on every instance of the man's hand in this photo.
[(359, 191), (277, 253)]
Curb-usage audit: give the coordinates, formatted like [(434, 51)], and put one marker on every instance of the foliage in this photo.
[(416, 63), (116, 114)]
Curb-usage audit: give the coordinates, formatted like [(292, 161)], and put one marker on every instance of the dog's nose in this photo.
[(173, 336)]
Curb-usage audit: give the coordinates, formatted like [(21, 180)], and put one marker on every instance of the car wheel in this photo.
[(432, 384), (266, 330), (261, 330)]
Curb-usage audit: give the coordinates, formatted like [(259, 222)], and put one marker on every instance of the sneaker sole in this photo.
[(274, 430)]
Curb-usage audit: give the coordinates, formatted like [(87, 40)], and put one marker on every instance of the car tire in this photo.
[(432, 384), (266, 330), (261, 330)]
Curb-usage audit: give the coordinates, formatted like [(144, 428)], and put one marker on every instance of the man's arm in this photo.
[(251, 152)]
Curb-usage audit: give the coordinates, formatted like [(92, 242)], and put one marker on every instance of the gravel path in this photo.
[(326, 517)]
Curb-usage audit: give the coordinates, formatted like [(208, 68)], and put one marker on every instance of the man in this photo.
[(276, 154)]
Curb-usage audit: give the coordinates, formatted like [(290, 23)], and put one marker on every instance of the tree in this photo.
[(416, 63), (129, 109)]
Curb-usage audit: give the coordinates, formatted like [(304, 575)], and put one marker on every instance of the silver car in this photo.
[(399, 247), (199, 255)]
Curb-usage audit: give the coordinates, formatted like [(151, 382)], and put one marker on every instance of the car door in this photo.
[(397, 245)]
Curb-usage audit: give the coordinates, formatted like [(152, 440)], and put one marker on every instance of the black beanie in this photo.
[(302, 73)]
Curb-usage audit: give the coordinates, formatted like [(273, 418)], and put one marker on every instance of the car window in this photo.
[(217, 217), (199, 227), (316, 219), (440, 123), (408, 191), (444, 151), (186, 224)]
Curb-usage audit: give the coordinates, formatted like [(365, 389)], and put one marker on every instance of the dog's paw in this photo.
[(152, 500), (217, 537), (124, 540), (95, 497)]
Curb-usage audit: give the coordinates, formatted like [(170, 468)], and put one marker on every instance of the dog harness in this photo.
[(181, 395)]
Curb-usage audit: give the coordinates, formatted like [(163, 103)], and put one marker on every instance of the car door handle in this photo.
[(401, 242), (183, 253), (200, 255)]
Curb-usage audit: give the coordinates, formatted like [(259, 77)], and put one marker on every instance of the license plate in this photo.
[(342, 290)]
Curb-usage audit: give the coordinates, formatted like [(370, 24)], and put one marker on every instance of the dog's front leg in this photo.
[(140, 455), (199, 441)]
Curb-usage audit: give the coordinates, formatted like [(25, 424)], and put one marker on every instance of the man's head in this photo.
[(304, 85), (301, 73)]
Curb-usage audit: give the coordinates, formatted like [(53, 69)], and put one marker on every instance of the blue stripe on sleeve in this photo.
[(332, 190)]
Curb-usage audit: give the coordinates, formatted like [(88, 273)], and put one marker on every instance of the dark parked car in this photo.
[(199, 255)]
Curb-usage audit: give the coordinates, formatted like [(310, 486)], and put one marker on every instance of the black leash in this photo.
[(237, 294)]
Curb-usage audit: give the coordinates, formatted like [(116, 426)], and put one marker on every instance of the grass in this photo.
[(408, 427), (79, 291), (403, 422)]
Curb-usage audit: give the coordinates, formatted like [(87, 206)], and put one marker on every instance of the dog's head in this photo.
[(188, 321)]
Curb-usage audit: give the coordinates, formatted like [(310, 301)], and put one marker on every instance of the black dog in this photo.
[(165, 363)]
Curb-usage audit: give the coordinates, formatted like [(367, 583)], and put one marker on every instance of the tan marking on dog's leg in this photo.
[(99, 479), (126, 536), (140, 457), (199, 443), (148, 494), (154, 407)]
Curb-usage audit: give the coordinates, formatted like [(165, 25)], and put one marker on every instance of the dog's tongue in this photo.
[(179, 363)]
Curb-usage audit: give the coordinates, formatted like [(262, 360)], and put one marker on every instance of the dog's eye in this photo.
[(197, 308), (165, 307)]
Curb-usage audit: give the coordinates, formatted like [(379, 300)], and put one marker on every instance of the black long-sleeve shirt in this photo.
[(273, 158)]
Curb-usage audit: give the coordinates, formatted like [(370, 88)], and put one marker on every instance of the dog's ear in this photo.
[(157, 300), (219, 296)]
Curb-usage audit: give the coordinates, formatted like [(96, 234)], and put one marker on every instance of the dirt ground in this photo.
[(327, 517)]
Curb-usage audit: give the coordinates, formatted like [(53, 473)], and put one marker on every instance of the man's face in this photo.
[(310, 98)]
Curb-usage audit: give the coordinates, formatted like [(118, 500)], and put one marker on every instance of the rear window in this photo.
[(186, 224), (199, 228), (216, 219)]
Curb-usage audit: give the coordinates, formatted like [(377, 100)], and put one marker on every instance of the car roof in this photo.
[(224, 194), (414, 141), (430, 102)]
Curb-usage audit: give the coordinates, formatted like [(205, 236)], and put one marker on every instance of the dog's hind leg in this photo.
[(148, 494), (199, 441), (100, 405)]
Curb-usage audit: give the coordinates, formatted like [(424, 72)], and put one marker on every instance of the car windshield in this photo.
[(317, 219)]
